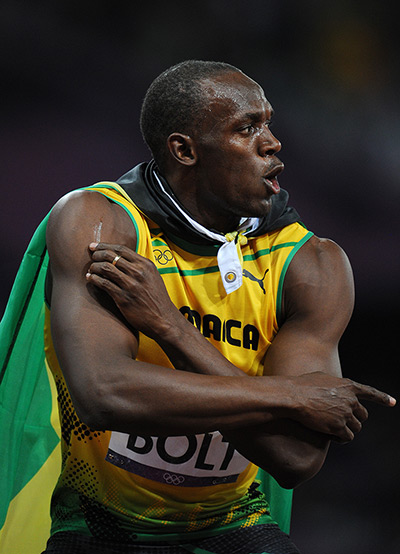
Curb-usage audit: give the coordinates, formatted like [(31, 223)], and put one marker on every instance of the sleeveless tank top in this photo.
[(127, 487)]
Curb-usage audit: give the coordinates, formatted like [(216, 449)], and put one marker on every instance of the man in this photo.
[(157, 459)]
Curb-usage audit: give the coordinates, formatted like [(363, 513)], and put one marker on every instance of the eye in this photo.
[(248, 129)]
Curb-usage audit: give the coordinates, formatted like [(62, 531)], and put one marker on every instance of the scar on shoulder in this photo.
[(97, 231)]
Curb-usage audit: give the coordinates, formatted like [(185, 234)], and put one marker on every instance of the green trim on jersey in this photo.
[(296, 248), (122, 206)]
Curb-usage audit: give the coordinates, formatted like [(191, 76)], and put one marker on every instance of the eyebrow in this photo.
[(257, 116)]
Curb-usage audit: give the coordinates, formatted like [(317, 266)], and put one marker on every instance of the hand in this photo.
[(135, 285), (331, 405)]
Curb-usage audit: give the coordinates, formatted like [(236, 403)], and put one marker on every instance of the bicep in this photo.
[(89, 334), (89, 337), (318, 300)]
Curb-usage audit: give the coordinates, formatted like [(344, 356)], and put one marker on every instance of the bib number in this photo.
[(185, 461)]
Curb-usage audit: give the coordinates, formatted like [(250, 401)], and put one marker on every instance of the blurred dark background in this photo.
[(73, 76)]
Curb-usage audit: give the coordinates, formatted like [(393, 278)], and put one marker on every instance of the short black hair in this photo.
[(174, 102)]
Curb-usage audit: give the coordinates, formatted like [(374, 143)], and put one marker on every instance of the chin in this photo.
[(259, 210)]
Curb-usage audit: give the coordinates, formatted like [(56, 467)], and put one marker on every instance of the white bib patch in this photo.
[(186, 461)]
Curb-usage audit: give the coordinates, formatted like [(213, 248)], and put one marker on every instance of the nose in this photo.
[(269, 144)]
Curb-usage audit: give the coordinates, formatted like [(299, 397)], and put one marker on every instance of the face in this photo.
[(237, 166)]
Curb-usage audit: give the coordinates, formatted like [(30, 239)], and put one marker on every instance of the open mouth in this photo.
[(271, 179)]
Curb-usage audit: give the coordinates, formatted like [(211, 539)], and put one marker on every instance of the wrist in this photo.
[(189, 350), (173, 330), (284, 393)]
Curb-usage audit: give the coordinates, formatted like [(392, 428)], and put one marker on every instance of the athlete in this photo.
[(192, 331)]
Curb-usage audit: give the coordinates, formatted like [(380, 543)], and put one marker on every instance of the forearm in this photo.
[(290, 452), (112, 390), (286, 449), (189, 351), (172, 402)]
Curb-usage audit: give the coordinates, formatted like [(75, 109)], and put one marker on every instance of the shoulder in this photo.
[(319, 279), (82, 209), (91, 203), (320, 256), (84, 216)]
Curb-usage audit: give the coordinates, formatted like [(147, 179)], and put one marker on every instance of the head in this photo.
[(175, 102), (213, 142)]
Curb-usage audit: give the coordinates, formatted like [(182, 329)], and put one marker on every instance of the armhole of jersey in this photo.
[(283, 274), (111, 185)]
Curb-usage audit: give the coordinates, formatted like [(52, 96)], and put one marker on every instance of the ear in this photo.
[(182, 148)]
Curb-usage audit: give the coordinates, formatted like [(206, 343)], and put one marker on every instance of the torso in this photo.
[(179, 484)]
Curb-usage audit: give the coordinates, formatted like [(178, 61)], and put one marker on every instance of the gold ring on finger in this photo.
[(115, 260)]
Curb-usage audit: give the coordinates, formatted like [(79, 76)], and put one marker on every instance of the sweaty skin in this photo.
[(282, 421), (221, 173)]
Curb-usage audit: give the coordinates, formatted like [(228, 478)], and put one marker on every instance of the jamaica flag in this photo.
[(30, 457)]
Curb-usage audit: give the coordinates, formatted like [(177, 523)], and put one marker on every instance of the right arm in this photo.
[(97, 349), (139, 293)]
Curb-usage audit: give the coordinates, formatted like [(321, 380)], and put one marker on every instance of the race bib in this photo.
[(185, 461)]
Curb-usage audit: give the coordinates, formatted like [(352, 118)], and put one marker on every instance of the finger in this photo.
[(365, 392), (361, 413), (119, 249), (354, 425), (116, 272), (106, 285), (109, 265), (343, 436), (114, 266), (105, 256), (104, 246)]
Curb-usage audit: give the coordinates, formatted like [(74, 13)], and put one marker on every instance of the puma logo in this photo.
[(253, 278)]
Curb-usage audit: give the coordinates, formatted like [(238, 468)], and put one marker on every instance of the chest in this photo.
[(241, 325)]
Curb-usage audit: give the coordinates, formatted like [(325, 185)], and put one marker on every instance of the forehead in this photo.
[(232, 96)]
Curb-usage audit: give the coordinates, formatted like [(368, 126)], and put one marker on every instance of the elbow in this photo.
[(96, 416), (95, 419), (111, 404), (101, 410), (292, 473), (292, 479)]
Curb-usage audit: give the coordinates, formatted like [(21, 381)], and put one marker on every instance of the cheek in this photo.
[(235, 167)]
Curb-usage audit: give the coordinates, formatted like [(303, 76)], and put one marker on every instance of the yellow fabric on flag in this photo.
[(27, 526)]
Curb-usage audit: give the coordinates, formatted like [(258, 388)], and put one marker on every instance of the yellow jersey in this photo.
[(115, 485)]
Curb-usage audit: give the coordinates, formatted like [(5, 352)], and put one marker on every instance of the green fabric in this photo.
[(25, 397), (279, 499)]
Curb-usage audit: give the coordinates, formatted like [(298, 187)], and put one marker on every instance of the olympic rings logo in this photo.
[(163, 257), (172, 479)]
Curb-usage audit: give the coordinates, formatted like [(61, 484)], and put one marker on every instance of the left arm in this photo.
[(318, 300)]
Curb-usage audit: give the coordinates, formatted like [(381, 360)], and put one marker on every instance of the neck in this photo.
[(190, 195)]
